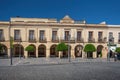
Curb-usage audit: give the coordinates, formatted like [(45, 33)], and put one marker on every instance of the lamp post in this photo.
[(10, 40), (108, 55), (69, 48), (19, 50)]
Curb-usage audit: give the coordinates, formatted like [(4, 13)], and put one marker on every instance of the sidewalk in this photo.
[(38, 61)]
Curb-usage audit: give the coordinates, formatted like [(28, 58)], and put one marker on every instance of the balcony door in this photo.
[(42, 35), (67, 35), (1, 35), (31, 35), (90, 35), (78, 35), (54, 35), (17, 35), (118, 37), (100, 36)]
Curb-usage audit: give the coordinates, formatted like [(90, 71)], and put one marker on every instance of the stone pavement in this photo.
[(41, 61)]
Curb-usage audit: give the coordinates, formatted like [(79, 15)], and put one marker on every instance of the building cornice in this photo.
[(58, 24)]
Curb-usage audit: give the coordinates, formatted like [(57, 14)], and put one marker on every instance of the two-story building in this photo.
[(44, 35)]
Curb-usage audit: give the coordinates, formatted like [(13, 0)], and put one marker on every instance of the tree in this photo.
[(61, 47), (29, 49), (117, 50), (89, 48)]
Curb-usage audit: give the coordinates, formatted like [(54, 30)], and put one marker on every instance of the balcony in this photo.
[(32, 40), (79, 40), (111, 41), (66, 40), (43, 40), (91, 40), (2, 39), (17, 40), (101, 40), (55, 39)]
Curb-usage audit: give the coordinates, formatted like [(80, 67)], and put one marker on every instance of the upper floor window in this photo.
[(31, 35), (67, 34), (42, 34), (16, 34), (1, 34), (111, 36), (79, 33), (100, 35), (119, 35), (54, 35), (90, 35)]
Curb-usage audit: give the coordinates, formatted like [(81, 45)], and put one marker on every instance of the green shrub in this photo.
[(117, 50), (89, 48), (61, 47), (30, 48)]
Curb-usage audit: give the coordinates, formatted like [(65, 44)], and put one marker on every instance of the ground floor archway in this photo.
[(99, 50), (42, 51), (32, 54), (18, 50), (53, 52), (89, 54), (78, 51), (65, 53), (3, 51)]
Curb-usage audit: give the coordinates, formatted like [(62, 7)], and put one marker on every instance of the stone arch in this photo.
[(32, 54), (41, 50), (99, 50), (53, 52), (78, 51), (18, 50), (65, 53), (3, 51)]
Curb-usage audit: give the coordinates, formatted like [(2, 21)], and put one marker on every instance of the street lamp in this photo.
[(19, 49), (109, 43), (69, 48), (10, 40)]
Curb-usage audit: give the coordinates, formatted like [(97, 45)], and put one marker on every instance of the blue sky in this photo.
[(93, 11)]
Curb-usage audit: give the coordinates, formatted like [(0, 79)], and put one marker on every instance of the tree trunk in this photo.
[(60, 54)]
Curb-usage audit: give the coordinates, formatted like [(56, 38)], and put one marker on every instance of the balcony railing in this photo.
[(91, 40), (43, 40), (66, 40), (111, 41), (2, 39), (17, 40), (32, 40), (79, 40), (55, 39), (101, 40)]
